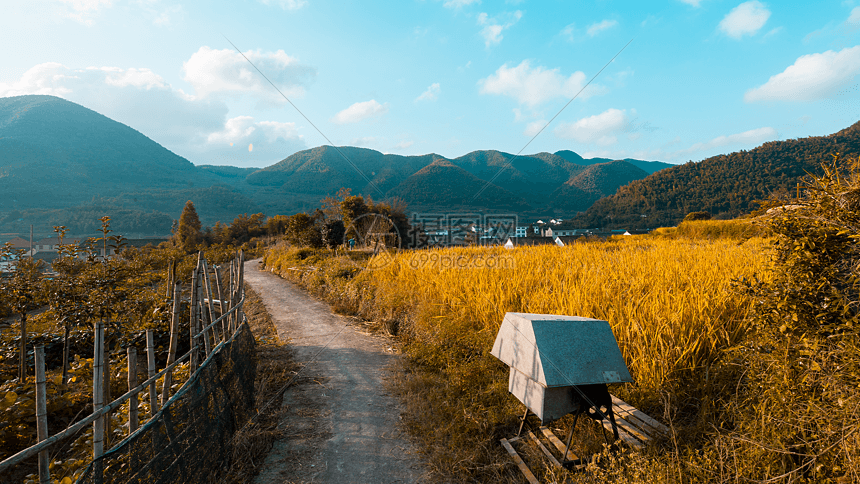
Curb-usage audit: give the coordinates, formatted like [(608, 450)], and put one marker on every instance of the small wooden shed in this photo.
[(550, 354)]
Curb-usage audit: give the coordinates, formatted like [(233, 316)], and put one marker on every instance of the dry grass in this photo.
[(275, 367), (670, 302)]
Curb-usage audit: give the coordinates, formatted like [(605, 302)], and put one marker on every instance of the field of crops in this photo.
[(671, 303)]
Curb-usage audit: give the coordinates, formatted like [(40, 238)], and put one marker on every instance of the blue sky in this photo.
[(701, 77)]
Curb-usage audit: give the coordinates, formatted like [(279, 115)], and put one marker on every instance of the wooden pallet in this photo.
[(634, 429)]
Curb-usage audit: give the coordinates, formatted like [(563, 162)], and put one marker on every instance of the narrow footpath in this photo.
[(343, 426)]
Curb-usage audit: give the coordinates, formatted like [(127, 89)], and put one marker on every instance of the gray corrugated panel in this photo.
[(557, 350)]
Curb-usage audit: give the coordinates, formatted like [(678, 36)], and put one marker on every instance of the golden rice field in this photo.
[(670, 301)]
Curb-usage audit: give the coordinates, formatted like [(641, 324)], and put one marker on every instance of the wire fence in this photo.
[(188, 440)]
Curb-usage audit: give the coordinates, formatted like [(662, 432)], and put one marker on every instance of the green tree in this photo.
[(353, 207), (23, 292), (188, 235), (801, 384), (302, 230), (693, 216)]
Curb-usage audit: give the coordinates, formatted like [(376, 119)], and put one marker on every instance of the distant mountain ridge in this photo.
[(530, 183), (725, 185), (59, 160)]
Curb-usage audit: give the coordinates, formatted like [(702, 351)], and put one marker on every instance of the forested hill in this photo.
[(60, 162), (724, 185)]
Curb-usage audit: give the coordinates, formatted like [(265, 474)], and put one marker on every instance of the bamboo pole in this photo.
[(132, 383), (174, 342), (204, 320), (106, 388), (240, 290), (75, 428), (208, 285), (42, 414), (150, 359), (218, 285), (98, 400), (192, 324), (22, 353)]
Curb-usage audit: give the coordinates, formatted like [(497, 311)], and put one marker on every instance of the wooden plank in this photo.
[(557, 443), (546, 451), (519, 461), (639, 425), (626, 407), (640, 434), (623, 435)]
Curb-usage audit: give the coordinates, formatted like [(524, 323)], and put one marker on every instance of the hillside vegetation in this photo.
[(747, 348), (724, 185), (58, 158), (670, 304)]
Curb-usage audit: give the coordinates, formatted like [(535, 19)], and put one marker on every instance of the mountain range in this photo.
[(62, 163), (726, 186)]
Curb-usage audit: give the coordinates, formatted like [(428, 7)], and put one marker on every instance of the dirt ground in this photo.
[(343, 425)]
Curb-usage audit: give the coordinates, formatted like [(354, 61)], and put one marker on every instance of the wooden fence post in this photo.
[(202, 313), (132, 383), (240, 288), (209, 297), (174, 342), (106, 388), (41, 414), (192, 326), (220, 291), (98, 400), (22, 353), (150, 359)]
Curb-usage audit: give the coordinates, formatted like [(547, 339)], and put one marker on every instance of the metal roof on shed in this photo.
[(559, 350)]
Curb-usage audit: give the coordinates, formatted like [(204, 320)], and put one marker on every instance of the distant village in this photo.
[(497, 232), (440, 235)]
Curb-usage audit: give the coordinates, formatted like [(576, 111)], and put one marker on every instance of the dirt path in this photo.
[(343, 426)]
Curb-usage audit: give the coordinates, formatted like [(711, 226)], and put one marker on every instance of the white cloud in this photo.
[(190, 126), (811, 77), (534, 86), (601, 128), (360, 111), (598, 27), (366, 141), (534, 127), (431, 94), (745, 19), (139, 78), (85, 11), (167, 16), (569, 32), (49, 78), (694, 3), (243, 129), (403, 145), (751, 137), (455, 4), (287, 4), (225, 71), (493, 27), (854, 18)]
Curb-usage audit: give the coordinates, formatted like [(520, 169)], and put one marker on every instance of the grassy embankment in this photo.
[(670, 301)]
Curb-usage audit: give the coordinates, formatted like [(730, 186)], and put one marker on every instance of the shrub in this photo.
[(693, 216)]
